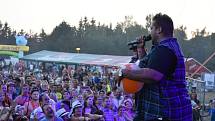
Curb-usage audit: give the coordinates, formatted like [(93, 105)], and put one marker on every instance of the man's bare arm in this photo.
[(145, 75)]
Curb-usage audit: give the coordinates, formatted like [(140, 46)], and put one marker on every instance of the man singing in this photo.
[(164, 95)]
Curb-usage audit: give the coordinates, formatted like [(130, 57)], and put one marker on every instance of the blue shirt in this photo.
[(212, 112)]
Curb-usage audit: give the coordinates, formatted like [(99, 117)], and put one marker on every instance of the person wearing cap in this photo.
[(19, 110), (129, 113), (63, 114), (76, 113), (19, 113)]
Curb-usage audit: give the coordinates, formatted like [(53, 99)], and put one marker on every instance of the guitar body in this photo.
[(128, 85), (131, 86)]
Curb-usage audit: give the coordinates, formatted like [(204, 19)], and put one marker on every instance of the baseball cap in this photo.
[(61, 112)]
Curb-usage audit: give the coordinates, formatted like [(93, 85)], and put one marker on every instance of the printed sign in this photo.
[(14, 48)]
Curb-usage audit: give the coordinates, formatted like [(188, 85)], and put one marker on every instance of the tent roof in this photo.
[(77, 58), (192, 65), (100, 60)]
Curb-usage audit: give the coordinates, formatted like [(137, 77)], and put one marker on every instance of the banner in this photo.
[(209, 80), (14, 48), (9, 53)]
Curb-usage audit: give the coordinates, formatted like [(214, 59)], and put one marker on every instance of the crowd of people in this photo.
[(39, 93), (61, 92)]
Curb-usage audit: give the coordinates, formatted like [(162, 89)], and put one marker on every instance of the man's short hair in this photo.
[(106, 98), (34, 90), (165, 22)]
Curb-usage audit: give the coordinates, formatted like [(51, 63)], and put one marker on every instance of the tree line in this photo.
[(96, 38)]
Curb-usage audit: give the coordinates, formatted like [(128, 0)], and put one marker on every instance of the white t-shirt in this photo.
[(38, 112), (117, 102), (31, 67)]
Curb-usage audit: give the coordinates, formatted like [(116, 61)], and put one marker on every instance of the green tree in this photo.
[(93, 21), (43, 34), (180, 33), (200, 33), (6, 30), (149, 21), (22, 32)]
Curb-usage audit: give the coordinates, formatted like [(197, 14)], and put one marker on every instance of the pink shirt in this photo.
[(21, 99)]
